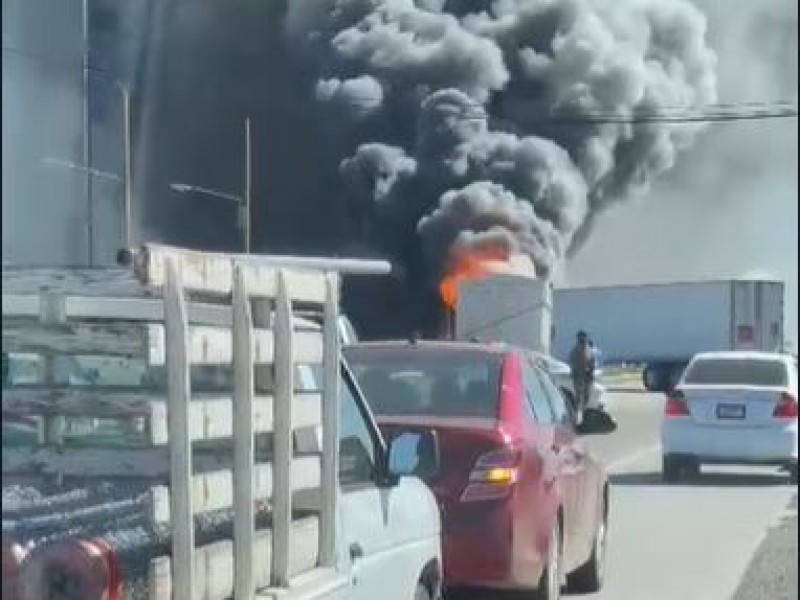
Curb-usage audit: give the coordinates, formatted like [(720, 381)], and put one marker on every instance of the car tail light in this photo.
[(493, 475), (786, 407), (676, 405)]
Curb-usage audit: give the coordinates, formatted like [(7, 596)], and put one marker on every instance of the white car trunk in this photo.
[(732, 405)]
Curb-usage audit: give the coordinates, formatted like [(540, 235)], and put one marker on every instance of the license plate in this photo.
[(730, 411)]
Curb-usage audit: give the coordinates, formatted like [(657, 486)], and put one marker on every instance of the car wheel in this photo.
[(421, 592), (550, 583), (671, 470), (588, 578)]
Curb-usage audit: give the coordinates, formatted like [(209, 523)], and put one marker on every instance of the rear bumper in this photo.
[(478, 547), (769, 445)]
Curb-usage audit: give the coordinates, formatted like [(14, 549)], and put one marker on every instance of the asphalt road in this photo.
[(730, 532)]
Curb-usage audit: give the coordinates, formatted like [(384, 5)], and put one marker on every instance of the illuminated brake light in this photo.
[(499, 475), (493, 476), (676, 405), (786, 407)]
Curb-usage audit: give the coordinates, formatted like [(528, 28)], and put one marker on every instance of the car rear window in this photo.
[(737, 371), (417, 382)]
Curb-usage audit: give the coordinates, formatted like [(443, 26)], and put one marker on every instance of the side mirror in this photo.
[(595, 422), (413, 453)]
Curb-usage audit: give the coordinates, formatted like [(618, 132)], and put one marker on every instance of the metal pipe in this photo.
[(347, 266)]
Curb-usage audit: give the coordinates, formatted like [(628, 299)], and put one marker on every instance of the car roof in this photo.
[(743, 355), (433, 346)]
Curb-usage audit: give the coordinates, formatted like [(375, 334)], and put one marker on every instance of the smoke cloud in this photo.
[(398, 128), (472, 122), (729, 209)]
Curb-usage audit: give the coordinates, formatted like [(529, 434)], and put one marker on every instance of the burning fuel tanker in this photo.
[(496, 297)]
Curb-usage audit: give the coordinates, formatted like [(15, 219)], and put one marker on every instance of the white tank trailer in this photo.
[(510, 306)]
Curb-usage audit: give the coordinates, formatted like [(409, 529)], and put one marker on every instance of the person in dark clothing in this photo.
[(582, 367)]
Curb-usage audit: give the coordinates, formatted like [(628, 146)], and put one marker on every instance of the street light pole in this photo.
[(247, 186), (244, 202), (185, 188), (128, 210), (87, 141)]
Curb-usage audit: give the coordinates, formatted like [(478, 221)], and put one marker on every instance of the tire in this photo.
[(692, 468), (652, 379), (793, 474), (671, 470), (550, 583), (421, 592), (676, 467), (588, 578)]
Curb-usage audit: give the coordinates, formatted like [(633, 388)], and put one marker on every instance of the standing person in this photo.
[(582, 366)]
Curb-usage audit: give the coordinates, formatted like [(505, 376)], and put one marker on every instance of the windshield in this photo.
[(766, 373), (454, 384)]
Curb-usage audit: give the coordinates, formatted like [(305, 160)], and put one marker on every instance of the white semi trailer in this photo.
[(661, 326)]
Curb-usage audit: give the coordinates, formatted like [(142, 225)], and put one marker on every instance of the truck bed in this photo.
[(210, 490)]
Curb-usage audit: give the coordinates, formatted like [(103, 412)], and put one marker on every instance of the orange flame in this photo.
[(469, 265)]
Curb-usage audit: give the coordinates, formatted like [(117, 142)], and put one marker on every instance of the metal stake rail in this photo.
[(259, 293)]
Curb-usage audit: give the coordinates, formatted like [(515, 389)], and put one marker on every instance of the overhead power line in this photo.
[(698, 117), (709, 113)]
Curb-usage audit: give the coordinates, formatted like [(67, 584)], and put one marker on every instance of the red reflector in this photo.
[(676, 405), (89, 566), (13, 555), (786, 407)]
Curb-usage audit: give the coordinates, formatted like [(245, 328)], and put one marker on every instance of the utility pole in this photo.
[(246, 210), (128, 206), (87, 138)]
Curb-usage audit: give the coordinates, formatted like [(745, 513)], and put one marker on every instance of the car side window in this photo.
[(536, 395), (357, 453), (560, 410)]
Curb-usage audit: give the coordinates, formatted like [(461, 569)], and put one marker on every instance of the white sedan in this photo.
[(560, 373), (732, 408)]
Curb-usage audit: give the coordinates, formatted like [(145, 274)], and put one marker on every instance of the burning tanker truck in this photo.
[(493, 297), (203, 461)]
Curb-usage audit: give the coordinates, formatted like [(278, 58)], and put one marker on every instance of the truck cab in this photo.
[(242, 462)]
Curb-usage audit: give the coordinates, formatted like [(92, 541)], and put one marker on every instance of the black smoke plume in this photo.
[(397, 128), (471, 121)]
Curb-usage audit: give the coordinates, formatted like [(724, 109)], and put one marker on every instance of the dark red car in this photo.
[(524, 506)]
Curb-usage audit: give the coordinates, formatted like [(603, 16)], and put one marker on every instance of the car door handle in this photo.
[(356, 551)]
